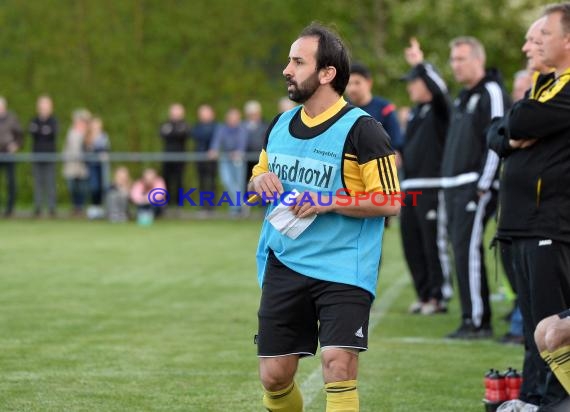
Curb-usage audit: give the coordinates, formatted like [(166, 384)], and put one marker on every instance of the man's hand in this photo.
[(310, 203), (236, 156), (414, 54), (398, 159), (267, 183), (521, 144), (212, 154), (528, 143)]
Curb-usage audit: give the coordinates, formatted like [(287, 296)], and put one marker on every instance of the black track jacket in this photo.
[(466, 157), (425, 134), (534, 200)]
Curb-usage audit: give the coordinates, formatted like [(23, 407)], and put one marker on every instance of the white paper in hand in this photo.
[(283, 219)]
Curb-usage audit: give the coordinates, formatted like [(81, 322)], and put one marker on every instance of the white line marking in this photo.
[(419, 340), (311, 386)]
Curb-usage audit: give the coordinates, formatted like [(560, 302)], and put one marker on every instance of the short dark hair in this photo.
[(359, 68), (564, 10), (331, 51)]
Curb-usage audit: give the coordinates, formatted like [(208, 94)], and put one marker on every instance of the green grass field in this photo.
[(102, 317)]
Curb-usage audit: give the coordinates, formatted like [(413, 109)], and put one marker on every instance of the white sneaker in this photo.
[(516, 405), (432, 307), (429, 308), (415, 307)]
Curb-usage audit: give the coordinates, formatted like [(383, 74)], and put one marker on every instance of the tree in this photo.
[(128, 60)]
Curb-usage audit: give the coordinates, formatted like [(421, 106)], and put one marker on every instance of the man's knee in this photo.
[(277, 373), (339, 365), (557, 335), (541, 330)]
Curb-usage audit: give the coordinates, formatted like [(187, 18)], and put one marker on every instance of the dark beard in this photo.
[(303, 92)]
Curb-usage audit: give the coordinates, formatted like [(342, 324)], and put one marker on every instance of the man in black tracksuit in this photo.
[(534, 140), (174, 133), (512, 165), (423, 231), (468, 171)]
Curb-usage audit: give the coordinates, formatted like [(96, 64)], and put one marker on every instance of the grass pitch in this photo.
[(102, 317)]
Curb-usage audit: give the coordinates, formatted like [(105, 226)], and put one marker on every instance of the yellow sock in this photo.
[(561, 366), (285, 400), (342, 396), (547, 358)]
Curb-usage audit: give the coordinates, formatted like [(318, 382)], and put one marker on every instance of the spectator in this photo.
[(10, 142), (423, 226), (174, 133), (403, 114), (513, 211), (118, 196), (228, 145), (359, 91), (203, 132), (256, 129), (468, 170), (142, 188), (284, 104), (43, 129), (522, 83), (535, 193), (74, 167), (97, 145)]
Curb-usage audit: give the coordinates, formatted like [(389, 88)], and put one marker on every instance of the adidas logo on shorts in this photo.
[(359, 333)]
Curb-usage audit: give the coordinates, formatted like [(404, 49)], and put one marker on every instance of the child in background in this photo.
[(118, 196)]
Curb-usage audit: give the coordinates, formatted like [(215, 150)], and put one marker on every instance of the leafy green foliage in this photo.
[(128, 60)]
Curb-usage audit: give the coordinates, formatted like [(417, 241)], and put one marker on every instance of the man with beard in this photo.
[(319, 286)]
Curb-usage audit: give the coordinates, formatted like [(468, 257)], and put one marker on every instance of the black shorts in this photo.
[(296, 312)]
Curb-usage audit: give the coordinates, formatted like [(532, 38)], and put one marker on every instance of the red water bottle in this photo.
[(487, 382), (497, 387), (508, 374), (513, 381)]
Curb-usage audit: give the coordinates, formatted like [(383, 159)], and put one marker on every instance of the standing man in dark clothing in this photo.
[(10, 142), (359, 91), (422, 227), (43, 129), (523, 80), (535, 196), (174, 133), (468, 171), (203, 132)]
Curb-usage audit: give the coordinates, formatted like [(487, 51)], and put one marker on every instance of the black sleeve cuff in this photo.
[(564, 314)]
